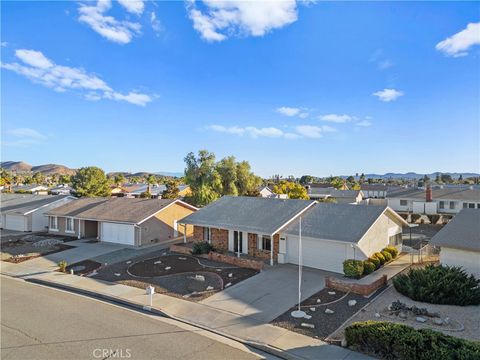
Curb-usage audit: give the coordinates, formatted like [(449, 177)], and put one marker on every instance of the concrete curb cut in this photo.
[(259, 346)]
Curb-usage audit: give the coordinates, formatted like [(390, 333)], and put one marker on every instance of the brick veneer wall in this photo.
[(219, 239), (237, 261), (353, 286), (198, 233), (253, 249)]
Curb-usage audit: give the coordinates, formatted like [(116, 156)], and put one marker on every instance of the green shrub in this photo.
[(387, 256), (202, 247), (62, 266), (388, 340), (353, 268), (368, 267), (439, 285), (380, 257), (392, 250), (375, 261)]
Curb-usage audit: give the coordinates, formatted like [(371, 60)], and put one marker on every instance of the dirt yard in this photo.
[(19, 248), (174, 274)]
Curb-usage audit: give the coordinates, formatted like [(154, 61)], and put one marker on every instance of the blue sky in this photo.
[(294, 88)]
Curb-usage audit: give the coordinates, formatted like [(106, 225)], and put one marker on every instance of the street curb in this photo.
[(270, 349)]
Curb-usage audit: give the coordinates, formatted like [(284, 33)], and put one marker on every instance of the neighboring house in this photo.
[(25, 212), (440, 201), (374, 191), (340, 196), (267, 228), (266, 192), (31, 189), (128, 221), (62, 189), (136, 190), (459, 241)]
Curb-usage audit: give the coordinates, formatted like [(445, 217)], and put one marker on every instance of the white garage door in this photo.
[(118, 233), (316, 253), (15, 222)]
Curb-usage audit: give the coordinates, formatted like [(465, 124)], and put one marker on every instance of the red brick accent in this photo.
[(181, 249), (237, 261), (197, 233), (219, 239), (262, 254), (354, 286)]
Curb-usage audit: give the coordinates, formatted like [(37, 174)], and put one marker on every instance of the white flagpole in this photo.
[(299, 313)]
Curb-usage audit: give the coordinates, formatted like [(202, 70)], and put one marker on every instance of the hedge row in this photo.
[(357, 268), (396, 341)]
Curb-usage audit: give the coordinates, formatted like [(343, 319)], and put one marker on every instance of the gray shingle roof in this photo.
[(462, 232), (340, 222), (129, 210), (253, 214), (23, 203), (333, 192), (460, 194)]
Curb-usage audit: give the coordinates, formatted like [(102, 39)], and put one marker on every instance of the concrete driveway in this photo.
[(265, 296)]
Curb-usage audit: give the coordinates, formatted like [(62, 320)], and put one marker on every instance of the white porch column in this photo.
[(184, 233), (271, 250)]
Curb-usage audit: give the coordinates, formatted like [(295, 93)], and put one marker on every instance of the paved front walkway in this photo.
[(391, 269), (239, 327), (265, 296)]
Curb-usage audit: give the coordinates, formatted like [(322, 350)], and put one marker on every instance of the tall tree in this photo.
[(202, 177), (90, 182), (38, 178), (119, 179), (247, 182), (293, 190), (172, 190), (227, 169)]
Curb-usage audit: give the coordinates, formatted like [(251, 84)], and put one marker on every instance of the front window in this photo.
[(403, 202), (395, 240), (452, 204), (206, 234), (69, 225), (53, 223), (266, 243), (442, 205), (471, 206), (465, 205)]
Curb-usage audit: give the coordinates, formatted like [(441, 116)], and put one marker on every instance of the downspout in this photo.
[(272, 247), (139, 234)]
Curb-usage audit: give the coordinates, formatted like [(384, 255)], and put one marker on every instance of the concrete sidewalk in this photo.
[(391, 269), (278, 341)]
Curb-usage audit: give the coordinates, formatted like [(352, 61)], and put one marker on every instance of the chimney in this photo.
[(428, 193)]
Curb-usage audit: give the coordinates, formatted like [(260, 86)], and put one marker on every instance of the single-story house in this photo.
[(340, 196), (156, 190), (267, 228), (128, 221), (374, 191), (62, 189), (26, 212), (35, 189), (459, 241), (265, 191)]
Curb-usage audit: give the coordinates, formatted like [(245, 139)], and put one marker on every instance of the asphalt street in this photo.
[(43, 323)]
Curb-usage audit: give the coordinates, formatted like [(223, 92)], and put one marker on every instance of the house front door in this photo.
[(238, 241)]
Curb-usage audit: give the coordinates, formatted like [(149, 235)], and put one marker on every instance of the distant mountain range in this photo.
[(413, 175)]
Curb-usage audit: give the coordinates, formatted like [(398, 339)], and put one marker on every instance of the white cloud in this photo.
[(388, 95), (458, 44), (4, 44), (133, 6), (326, 128), (336, 118), (288, 111), (24, 137), (39, 69), (221, 19), (309, 131), (110, 28), (378, 57), (363, 123), (156, 25), (385, 64)]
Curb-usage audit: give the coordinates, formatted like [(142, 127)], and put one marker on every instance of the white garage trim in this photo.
[(117, 233), (16, 222)]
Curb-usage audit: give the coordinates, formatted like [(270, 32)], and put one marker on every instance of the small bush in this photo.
[(392, 250), (389, 340), (380, 257), (368, 267), (353, 268), (375, 261), (439, 285), (62, 266), (202, 247), (387, 256)]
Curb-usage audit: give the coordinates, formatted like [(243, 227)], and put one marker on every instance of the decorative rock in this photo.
[(129, 262), (230, 275), (200, 277), (219, 269), (182, 258), (319, 301), (311, 326), (168, 268), (308, 317), (227, 285), (331, 293), (157, 262), (93, 273), (438, 321), (313, 309), (446, 321), (117, 274), (209, 288), (328, 311), (389, 307), (377, 315), (402, 315), (352, 302), (420, 319)]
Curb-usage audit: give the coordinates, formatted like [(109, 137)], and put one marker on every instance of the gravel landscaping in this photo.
[(467, 316), (84, 267), (28, 246), (174, 274), (324, 323)]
